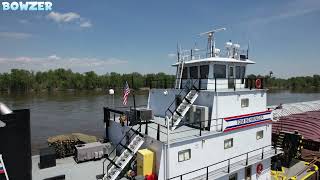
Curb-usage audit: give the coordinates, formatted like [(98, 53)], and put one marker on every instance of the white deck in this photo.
[(69, 168)]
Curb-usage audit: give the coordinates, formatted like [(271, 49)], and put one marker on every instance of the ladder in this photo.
[(179, 74), (3, 168), (121, 162), (176, 116)]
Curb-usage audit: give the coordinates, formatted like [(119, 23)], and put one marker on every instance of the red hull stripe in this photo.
[(245, 115), (2, 171), (247, 125)]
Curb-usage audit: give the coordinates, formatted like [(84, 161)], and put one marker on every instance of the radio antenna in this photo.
[(211, 41)]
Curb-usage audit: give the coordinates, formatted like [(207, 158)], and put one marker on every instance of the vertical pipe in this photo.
[(228, 165), (158, 132), (146, 129), (215, 84), (200, 125), (207, 178), (134, 104), (247, 159), (168, 147)]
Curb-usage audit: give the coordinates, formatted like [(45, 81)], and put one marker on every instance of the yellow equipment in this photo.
[(145, 162)]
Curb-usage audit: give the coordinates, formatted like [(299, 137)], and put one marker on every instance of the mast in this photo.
[(211, 46)]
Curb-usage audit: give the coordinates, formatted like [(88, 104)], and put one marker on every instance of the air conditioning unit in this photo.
[(197, 114)]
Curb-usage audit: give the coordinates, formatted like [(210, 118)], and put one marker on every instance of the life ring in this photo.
[(258, 83), (259, 168)]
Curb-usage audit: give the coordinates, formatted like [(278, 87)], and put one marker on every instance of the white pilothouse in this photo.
[(214, 123)]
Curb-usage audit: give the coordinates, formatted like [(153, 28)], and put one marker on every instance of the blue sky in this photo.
[(140, 36)]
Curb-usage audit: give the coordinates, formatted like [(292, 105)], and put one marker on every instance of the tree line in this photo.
[(303, 83), (64, 79)]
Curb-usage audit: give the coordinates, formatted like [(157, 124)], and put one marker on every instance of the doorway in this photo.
[(231, 77)]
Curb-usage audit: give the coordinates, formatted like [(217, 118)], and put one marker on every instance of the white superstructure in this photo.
[(214, 123)]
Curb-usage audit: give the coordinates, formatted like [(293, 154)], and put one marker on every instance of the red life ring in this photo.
[(258, 83), (259, 168)]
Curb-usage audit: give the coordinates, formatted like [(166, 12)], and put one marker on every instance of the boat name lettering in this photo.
[(249, 119)]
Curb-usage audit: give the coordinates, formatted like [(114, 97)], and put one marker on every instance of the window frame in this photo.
[(185, 73), (183, 152), (222, 76), (238, 72), (244, 105), (261, 136), (204, 71), (227, 141), (191, 69)]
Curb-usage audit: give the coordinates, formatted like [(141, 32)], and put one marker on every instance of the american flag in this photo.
[(126, 93)]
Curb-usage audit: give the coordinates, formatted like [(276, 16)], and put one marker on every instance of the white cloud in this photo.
[(70, 17), (290, 10), (14, 35), (85, 24), (54, 62), (63, 17), (54, 57), (24, 21), (172, 55)]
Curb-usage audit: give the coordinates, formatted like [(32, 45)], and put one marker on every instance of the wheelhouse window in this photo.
[(240, 72), (185, 73), (228, 143), (184, 155), (259, 135), (204, 71), (219, 71), (231, 71), (244, 102), (193, 72)]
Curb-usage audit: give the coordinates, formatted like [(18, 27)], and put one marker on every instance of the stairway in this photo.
[(182, 109), (120, 163), (280, 138)]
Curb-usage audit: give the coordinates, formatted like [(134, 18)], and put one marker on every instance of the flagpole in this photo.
[(134, 103)]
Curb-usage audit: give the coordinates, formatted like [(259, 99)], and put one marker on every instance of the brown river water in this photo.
[(66, 112)]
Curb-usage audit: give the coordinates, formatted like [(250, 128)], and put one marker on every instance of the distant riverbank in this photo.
[(62, 112)]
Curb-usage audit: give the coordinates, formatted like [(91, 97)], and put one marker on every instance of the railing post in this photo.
[(262, 153), (181, 177), (207, 173), (200, 125), (146, 130), (114, 117), (247, 159), (215, 84), (158, 132), (229, 166)]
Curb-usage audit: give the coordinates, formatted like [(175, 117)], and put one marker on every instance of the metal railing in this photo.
[(196, 54), (228, 161), (201, 126), (122, 148), (189, 85), (213, 83)]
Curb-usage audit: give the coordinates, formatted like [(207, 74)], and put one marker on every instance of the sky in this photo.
[(141, 36)]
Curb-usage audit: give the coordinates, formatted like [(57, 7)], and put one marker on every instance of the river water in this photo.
[(66, 112)]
